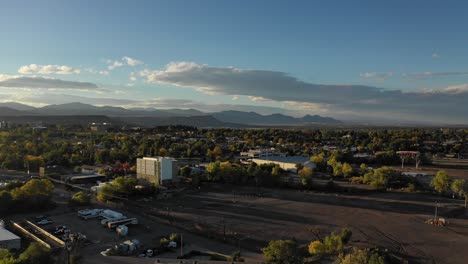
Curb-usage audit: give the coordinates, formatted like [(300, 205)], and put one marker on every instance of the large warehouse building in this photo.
[(9, 240), (157, 169), (287, 163)]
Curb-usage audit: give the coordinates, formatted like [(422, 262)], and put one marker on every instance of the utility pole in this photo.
[(181, 245), (224, 229)]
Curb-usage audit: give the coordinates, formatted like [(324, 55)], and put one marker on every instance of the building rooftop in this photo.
[(289, 159), (7, 235)]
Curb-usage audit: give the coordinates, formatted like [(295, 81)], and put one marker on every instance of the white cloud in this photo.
[(132, 77), (105, 73), (114, 64), (377, 75), (47, 69), (435, 55), (131, 61), (44, 83), (281, 87), (422, 75)]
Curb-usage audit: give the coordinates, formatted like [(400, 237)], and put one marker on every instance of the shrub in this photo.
[(80, 198)]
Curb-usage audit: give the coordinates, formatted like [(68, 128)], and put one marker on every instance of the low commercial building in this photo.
[(9, 240), (157, 169), (287, 163)]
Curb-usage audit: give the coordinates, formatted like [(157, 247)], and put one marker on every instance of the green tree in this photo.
[(362, 256), (460, 187), (282, 252), (35, 254), (441, 181), (379, 178)]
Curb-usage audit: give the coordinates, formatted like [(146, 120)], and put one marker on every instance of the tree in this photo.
[(337, 169), (347, 169), (363, 168), (306, 176), (460, 187), (332, 244), (81, 198), (362, 256), (282, 252), (441, 181), (35, 254), (379, 178)]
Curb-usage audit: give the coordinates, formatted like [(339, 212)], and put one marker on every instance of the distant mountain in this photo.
[(154, 117), (6, 111), (196, 121), (17, 106), (252, 118)]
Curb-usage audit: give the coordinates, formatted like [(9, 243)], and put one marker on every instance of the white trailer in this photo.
[(86, 212), (110, 214), (128, 221), (107, 220)]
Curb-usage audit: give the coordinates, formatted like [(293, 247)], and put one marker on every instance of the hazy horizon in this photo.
[(356, 61)]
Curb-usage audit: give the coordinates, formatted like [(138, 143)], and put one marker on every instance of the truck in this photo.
[(128, 221)]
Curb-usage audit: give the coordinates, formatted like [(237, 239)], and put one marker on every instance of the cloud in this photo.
[(423, 75), (132, 76), (42, 99), (281, 87), (113, 64), (377, 75), (27, 82), (47, 69), (105, 73), (131, 62), (435, 55)]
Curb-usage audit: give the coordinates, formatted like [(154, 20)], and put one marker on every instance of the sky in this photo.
[(352, 60)]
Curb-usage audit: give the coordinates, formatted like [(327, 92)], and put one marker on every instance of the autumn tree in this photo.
[(441, 181), (282, 252), (460, 187)]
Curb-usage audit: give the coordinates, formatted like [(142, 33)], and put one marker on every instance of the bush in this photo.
[(362, 256), (332, 244), (80, 198), (164, 242), (174, 237), (282, 252)]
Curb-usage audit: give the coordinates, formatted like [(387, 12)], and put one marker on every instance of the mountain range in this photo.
[(153, 117)]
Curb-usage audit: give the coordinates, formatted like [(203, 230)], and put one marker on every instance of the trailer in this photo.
[(110, 214), (87, 212), (107, 220), (90, 216), (128, 221)]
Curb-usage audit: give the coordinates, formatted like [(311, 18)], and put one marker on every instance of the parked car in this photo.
[(172, 244), (44, 222), (107, 252)]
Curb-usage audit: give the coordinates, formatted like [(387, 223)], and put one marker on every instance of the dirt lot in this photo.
[(391, 220)]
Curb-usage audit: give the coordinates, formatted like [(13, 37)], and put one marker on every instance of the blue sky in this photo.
[(418, 48)]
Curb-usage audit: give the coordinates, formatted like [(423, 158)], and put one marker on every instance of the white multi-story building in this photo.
[(157, 169)]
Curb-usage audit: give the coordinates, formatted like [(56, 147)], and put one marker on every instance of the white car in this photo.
[(172, 244), (106, 252), (44, 222)]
